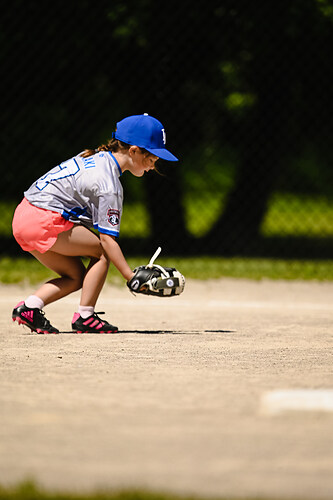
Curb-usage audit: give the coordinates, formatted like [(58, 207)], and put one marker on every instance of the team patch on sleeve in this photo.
[(113, 216)]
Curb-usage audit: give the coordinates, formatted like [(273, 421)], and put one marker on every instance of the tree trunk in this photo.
[(264, 142)]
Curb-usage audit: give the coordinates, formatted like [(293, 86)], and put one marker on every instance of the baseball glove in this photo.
[(156, 280)]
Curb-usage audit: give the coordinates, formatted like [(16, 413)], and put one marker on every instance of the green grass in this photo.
[(7, 212), (251, 268), (201, 213), (287, 215), (30, 491), (30, 271), (296, 215), (135, 221)]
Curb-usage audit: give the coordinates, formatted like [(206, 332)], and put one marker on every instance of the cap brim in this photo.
[(162, 153)]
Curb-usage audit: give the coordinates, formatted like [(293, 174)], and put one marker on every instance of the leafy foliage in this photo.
[(243, 91)]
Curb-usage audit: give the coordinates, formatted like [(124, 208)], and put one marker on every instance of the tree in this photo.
[(287, 44), (113, 59)]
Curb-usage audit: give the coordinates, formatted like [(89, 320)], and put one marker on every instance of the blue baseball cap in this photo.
[(146, 132)]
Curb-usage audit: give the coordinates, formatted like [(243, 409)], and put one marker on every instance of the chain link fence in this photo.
[(244, 92)]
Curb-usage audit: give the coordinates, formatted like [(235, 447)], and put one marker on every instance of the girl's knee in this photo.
[(102, 260), (77, 280), (101, 254), (105, 259)]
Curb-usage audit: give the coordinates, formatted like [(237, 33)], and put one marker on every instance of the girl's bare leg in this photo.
[(94, 280), (71, 271), (64, 259)]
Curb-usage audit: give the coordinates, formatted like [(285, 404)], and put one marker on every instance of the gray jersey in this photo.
[(83, 189)]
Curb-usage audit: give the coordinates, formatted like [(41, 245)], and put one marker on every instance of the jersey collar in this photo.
[(119, 169)]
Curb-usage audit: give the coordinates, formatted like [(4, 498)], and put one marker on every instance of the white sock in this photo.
[(33, 301), (86, 311)]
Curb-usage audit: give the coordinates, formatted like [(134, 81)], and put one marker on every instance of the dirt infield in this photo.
[(174, 402)]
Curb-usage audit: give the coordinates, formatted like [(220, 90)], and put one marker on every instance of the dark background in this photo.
[(244, 90)]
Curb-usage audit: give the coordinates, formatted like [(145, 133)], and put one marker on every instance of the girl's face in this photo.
[(141, 162)]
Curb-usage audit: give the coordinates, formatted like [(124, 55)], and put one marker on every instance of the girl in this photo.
[(53, 220)]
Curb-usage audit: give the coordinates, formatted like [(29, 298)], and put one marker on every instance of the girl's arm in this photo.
[(116, 256)]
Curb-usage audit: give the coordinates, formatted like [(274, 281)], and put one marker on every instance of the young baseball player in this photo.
[(54, 219)]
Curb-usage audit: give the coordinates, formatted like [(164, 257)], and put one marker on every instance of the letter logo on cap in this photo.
[(164, 136)]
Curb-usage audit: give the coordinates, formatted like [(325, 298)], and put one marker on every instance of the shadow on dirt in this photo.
[(155, 332)]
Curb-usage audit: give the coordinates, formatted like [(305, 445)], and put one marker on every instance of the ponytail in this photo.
[(113, 145)]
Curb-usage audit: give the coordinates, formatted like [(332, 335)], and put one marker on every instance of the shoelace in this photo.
[(46, 322), (95, 315)]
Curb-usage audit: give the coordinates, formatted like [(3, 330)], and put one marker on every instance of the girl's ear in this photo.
[(133, 149)]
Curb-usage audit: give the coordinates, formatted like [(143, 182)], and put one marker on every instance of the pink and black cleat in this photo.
[(33, 318), (92, 324)]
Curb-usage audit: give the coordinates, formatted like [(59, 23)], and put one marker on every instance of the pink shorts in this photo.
[(37, 229)]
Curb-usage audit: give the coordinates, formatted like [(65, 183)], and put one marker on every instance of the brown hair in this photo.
[(113, 145)]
